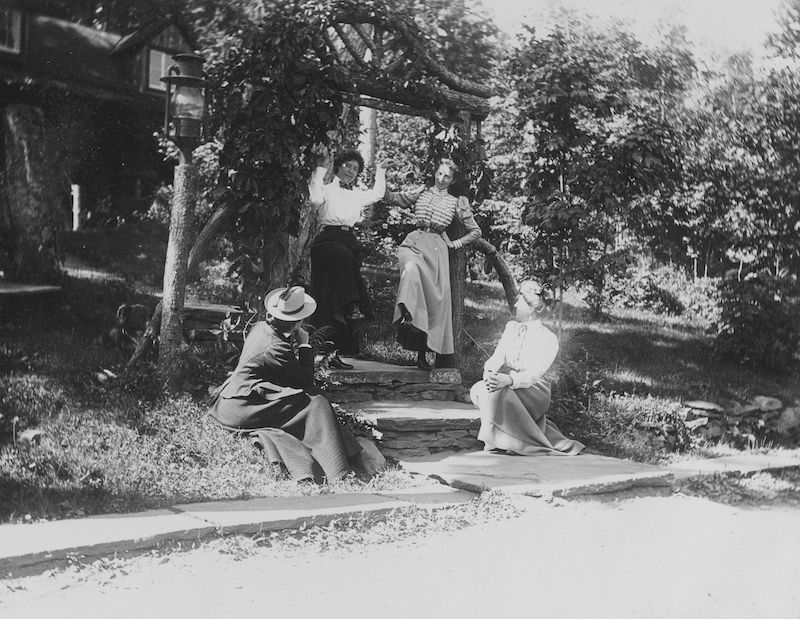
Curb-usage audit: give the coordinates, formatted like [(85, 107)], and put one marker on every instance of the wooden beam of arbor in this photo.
[(388, 106), (333, 47), (356, 51), (423, 98), (400, 25), (366, 36)]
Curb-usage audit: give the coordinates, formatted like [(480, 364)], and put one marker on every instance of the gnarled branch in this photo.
[(357, 52), (503, 274)]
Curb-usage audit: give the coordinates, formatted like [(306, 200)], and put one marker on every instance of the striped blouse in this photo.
[(436, 209)]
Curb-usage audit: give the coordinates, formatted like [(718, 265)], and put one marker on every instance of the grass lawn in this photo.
[(112, 445)]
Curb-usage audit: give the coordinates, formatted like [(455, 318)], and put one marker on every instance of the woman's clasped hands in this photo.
[(496, 380)]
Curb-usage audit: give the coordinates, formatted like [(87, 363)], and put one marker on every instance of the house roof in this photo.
[(140, 36), (70, 54)]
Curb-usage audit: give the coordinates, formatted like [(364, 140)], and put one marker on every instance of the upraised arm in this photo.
[(316, 194), (406, 199)]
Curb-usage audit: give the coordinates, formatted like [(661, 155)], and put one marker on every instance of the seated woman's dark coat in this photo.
[(273, 388)]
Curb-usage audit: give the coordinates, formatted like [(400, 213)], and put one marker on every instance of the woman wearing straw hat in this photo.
[(271, 397)]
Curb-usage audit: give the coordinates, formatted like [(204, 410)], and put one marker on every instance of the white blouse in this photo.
[(339, 206), (528, 349)]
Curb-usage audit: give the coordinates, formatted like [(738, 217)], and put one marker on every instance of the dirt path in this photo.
[(650, 557)]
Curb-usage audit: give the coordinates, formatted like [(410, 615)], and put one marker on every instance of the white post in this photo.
[(75, 190), (368, 138)]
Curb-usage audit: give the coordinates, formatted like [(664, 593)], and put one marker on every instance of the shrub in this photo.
[(666, 290), (760, 320)]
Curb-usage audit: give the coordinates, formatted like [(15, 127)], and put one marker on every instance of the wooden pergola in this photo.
[(392, 67)]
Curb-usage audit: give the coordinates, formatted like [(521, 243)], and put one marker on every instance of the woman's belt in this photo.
[(430, 228), (345, 228)]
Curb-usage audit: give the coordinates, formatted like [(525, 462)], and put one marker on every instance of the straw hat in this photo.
[(290, 304)]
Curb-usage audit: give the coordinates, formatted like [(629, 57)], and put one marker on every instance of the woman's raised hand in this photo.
[(324, 157), (386, 163)]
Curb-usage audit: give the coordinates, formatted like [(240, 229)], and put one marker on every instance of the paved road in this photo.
[(654, 557)]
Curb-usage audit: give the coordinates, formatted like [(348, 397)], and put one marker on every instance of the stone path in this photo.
[(32, 548), (562, 476)]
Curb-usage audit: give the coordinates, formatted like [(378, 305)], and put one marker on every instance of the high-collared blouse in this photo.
[(435, 209), (528, 349), (339, 206)]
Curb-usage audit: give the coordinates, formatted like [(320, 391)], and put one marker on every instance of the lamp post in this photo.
[(184, 111)]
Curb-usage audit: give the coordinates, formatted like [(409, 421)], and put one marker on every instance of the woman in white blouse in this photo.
[(336, 254), (514, 396)]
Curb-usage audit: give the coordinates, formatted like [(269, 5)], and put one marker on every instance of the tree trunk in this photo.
[(299, 268), (31, 197), (458, 271), (276, 259), (175, 267), (201, 245)]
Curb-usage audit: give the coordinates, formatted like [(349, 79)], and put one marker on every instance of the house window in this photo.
[(158, 63), (10, 30)]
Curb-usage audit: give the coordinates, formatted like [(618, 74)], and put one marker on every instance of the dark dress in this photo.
[(271, 396), (336, 280)]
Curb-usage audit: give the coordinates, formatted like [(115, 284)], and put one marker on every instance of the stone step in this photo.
[(370, 381), (412, 429)]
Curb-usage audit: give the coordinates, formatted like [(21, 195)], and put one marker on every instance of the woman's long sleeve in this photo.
[(464, 213), (406, 199), (316, 193), (539, 351), (498, 358)]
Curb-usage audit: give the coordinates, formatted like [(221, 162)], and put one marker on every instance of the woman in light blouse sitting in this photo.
[(423, 310), (514, 396)]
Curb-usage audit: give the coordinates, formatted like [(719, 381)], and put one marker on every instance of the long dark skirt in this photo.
[(300, 429), (336, 283), (515, 421)]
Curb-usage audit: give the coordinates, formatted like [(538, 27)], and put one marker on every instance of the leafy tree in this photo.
[(597, 151)]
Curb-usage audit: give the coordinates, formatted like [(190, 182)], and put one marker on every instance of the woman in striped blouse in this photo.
[(423, 310)]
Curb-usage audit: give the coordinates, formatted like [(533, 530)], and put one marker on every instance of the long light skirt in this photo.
[(514, 420), (425, 288)]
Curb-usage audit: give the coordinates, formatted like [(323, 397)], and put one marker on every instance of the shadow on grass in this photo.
[(24, 502), (637, 357)]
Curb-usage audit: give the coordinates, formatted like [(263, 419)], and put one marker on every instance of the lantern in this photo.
[(184, 105)]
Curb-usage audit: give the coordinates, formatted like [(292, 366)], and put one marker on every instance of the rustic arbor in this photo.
[(377, 58)]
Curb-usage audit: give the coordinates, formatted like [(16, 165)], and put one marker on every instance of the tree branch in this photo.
[(504, 275), (355, 52), (201, 245)]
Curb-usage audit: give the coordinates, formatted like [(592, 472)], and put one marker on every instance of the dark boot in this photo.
[(422, 362)]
